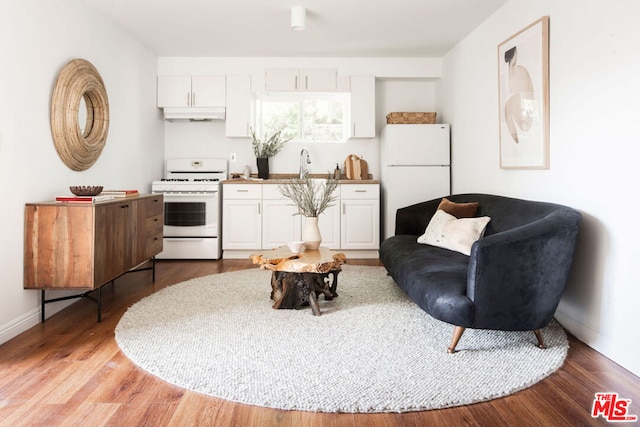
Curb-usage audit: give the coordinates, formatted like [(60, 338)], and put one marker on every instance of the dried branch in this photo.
[(311, 197), (271, 145)]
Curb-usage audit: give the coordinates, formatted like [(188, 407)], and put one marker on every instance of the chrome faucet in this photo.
[(305, 160)]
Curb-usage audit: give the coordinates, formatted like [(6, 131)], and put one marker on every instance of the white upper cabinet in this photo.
[(238, 117), (174, 91), (281, 79), (318, 80), (300, 80), (191, 91), (363, 107), (343, 84), (208, 91)]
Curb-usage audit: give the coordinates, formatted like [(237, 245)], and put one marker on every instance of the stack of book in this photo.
[(104, 195), (84, 199), (120, 193)]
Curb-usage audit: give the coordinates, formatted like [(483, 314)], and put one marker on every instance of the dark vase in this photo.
[(263, 167)]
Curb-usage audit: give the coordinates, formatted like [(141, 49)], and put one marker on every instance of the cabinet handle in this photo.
[(361, 191), (259, 213), (193, 99), (242, 191), (155, 219), (124, 206), (306, 82), (188, 99), (344, 208)]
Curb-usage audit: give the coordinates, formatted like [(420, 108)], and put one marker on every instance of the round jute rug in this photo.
[(371, 350)]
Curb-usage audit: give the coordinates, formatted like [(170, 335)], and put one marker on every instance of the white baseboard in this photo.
[(353, 254), (237, 254), (19, 325), (602, 345), (576, 328), (28, 320), (361, 254)]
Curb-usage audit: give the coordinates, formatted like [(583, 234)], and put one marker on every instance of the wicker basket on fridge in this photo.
[(411, 118)]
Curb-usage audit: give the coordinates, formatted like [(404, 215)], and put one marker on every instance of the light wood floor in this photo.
[(69, 371)]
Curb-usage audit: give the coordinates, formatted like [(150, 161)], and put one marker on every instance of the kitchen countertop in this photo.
[(283, 178)]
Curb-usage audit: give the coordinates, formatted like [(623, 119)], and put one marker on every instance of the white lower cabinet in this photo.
[(360, 222), (329, 225), (242, 216), (280, 224), (257, 216), (358, 229)]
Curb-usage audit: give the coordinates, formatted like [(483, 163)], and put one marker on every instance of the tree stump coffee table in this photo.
[(299, 279)]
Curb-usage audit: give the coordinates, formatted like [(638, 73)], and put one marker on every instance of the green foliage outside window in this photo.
[(306, 118)]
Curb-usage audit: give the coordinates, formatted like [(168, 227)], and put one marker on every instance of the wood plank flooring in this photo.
[(70, 372)]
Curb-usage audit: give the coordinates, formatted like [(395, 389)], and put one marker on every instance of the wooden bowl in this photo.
[(86, 190)]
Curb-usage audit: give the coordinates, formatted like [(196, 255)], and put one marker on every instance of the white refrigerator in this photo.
[(415, 162)]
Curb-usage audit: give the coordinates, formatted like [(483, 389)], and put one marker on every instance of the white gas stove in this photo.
[(187, 175), (192, 208)]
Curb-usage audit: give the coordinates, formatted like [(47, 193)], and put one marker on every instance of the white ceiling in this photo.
[(335, 28)]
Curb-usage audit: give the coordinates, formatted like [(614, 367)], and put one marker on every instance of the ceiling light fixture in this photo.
[(298, 17)]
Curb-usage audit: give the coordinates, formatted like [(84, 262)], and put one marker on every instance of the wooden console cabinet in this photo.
[(85, 246)]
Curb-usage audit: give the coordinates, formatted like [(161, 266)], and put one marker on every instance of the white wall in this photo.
[(37, 38), (594, 92), (402, 84)]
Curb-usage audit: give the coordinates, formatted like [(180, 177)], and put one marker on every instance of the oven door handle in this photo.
[(209, 193), (186, 239)]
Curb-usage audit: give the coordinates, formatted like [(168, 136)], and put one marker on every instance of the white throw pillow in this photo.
[(447, 231)]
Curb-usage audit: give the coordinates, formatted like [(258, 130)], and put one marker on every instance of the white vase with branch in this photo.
[(311, 197)]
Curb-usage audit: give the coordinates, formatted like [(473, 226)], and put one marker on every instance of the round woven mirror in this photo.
[(79, 92)]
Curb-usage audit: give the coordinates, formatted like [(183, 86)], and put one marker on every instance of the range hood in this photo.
[(194, 113)]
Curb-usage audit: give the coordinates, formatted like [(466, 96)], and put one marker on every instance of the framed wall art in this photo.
[(523, 85)]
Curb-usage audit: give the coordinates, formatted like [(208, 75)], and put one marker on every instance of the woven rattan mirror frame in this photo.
[(78, 149)]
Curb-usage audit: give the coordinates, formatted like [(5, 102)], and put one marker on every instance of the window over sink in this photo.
[(305, 117)]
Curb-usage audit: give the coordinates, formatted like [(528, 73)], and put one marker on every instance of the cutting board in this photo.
[(355, 167)]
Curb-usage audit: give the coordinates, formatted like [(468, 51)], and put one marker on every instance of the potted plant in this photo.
[(264, 149), (311, 197)]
